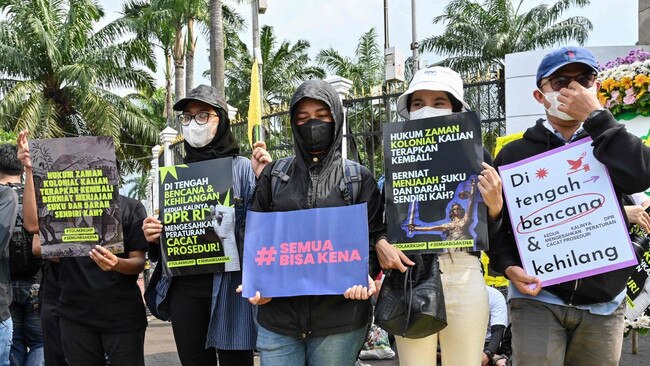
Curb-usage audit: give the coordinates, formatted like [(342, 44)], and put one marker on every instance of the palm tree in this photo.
[(284, 67), (217, 63), (366, 70), (58, 73), (478, 37), (139, 184)]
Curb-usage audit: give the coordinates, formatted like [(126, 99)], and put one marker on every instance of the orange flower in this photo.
[(608, 84), (602, 98), (640, 80), (626, 82)]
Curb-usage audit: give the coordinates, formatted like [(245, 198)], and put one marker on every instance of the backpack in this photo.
[(350, 185), (21, 259)]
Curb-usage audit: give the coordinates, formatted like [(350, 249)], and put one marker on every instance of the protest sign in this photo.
[(565, 215), (432, 198), (320, 251), (76, 195), (198, 215), (638, 286)]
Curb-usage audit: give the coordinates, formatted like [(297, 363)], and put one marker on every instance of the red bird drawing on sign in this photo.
[(576, 165)]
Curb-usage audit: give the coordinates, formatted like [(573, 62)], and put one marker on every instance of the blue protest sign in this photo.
[(320, 251)]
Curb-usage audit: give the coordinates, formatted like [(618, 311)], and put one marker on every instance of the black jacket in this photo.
[(314, 185), (628, 161), (8, 212)]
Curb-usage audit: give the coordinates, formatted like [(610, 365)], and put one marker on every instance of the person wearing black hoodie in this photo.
[(327, 329), (578, 322), (205, 311)]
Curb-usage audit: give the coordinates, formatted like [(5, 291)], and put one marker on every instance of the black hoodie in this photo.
[(316, 184), (628, 161)]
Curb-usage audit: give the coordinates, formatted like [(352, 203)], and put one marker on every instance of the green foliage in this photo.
[(57, 73), (366, 69), (284, 67), (8, 137), (478, 36)]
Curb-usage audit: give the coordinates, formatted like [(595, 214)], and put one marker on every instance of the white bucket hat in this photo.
[(433, 78)]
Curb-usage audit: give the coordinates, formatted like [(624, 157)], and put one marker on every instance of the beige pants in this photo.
[(466, 302)]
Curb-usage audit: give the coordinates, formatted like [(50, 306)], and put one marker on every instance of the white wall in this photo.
[(522, 110)]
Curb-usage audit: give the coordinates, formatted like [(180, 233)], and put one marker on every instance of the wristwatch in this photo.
[(594, 114)]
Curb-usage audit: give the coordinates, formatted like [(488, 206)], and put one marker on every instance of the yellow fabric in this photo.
[(494, 281), (503, 140), (255, 104)]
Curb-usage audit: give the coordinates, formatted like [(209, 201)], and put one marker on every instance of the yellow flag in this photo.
[(254, 107), (503, 140)]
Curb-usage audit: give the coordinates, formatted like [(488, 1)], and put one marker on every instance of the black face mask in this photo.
[(316, 135)]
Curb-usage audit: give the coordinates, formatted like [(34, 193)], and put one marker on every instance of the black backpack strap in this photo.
[(351, 182), (279, 174)]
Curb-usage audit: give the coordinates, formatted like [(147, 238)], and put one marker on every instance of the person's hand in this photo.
[(489, 184), (360, 292), (485, 361), (527, 285), (104, 258), (152, 228), (577, 101), (260, 157), (23, 150), (637, 215), (257, 299), (391, 257)]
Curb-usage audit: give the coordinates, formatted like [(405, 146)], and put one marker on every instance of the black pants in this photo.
[(190, 317), (84, 346), (52, 348)]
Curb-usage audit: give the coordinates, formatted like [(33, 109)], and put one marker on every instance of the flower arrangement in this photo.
[(625, 85), (641, 325)]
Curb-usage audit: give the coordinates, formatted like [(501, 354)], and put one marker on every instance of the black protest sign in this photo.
[(198, 214), (76, 195), (432, 196)]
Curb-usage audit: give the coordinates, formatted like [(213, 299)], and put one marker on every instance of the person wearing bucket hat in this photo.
[(205, 310), (558, 324), (438, 91)]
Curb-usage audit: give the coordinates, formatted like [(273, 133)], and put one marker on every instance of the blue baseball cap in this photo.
[(562, 57)]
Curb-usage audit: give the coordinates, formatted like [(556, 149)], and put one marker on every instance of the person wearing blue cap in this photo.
[(577, 322)]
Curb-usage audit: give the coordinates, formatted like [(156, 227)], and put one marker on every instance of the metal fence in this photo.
[(365, 117)]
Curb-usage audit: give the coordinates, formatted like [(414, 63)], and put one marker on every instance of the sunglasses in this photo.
[(562, 81)]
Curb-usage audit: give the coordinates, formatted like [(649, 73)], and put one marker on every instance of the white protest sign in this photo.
[(565, 215)]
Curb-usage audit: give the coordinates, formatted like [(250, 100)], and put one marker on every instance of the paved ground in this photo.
[(160, 350)]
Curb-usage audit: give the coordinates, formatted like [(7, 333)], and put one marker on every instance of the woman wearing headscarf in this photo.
[(438, 91), (205, 311), (326, 329)]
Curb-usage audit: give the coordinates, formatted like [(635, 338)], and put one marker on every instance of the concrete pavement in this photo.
[(160, 350)]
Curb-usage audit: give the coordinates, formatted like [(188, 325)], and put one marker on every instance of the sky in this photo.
[(340, 23)]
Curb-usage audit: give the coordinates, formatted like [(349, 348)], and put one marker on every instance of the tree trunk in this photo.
[(217, 70), (169, 113), (179, 64), (189, 56)]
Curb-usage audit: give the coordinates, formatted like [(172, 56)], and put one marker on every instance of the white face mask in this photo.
[(198, 135), (551, 97), (430, 112)]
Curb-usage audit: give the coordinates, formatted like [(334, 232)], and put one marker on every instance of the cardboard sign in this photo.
[(432, 198), (320, 251), (76, 195), (565, 215), (198, 215)]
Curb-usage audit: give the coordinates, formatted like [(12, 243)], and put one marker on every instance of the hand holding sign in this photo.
[(23, 149), (391, 257), (359, 292), (152, 228), (489, 184), (260, 157), (257, 299), (527, 285)]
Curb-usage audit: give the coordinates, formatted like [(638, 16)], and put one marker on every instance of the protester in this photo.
[(205, 311), (496, 327), (578, 322), (327, 329), (27, 340), (438, 91), (49, 290), (8, 212)]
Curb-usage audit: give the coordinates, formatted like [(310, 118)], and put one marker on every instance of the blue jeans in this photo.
[(6, 328), (27, 347), (334, 350)]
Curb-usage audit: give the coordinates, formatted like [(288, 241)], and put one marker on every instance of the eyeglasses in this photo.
[(200, 118), (562, 81)]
